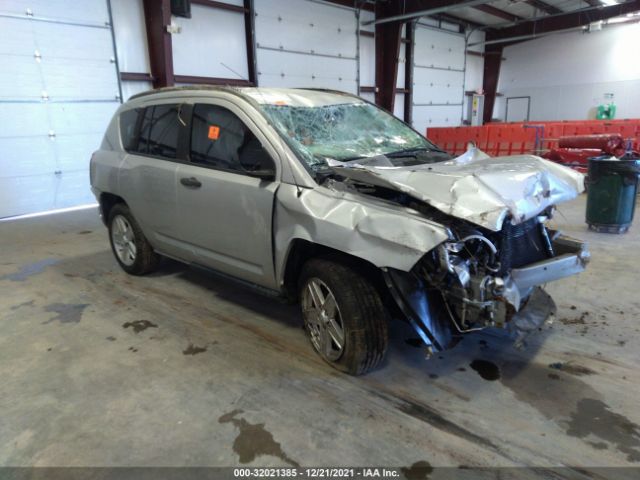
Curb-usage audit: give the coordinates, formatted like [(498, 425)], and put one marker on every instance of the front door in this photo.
[(224, 213)]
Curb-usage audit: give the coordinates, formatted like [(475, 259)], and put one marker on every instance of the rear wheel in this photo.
[(343, 315), (129, 245)]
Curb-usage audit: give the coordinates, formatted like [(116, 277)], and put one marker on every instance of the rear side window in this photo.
[(128, 125), (163, 131), (151, 130)]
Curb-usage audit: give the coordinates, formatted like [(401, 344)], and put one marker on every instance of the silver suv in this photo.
[(325, 199)]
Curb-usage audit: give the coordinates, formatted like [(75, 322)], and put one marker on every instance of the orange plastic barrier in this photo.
[(528, 137)]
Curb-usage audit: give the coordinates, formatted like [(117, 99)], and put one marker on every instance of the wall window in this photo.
[(221, 140)]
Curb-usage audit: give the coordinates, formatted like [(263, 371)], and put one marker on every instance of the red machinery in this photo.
[(574, 151)]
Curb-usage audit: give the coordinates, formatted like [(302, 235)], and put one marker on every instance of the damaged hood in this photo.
[(474, 186)]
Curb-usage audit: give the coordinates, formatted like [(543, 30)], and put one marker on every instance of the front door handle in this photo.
[(191, 182)]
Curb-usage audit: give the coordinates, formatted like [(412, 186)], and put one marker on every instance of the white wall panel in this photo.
[(425, 117), (306, 44), (58, 91), (568, 74), (438, 77), (131, 36), (212, 43), (367, 61), (87, 11), (398, 106)]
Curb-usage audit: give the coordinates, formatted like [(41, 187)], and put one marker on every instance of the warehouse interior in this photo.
[(187, 368)]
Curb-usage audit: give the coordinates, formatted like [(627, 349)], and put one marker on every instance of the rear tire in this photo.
[(349, 328), (129, 245)]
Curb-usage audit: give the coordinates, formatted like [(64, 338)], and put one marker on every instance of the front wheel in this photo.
[(343, 316), (130, 247)]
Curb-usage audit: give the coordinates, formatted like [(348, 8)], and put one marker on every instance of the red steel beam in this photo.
[(136, 77), (562, 22), (388, 39), (408, 72), (250, 39), (492, 64), (496, 12), (220, 5), (232, 82), (157, 16), (544, 7)]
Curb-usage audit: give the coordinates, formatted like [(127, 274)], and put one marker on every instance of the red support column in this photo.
[(157, 16), (492, 63), (387, 52)]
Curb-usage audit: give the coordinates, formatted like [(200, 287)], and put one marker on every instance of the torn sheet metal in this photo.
[(475, 187)]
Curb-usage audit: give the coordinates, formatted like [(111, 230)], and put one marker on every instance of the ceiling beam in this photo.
[(563, 22), (422, 8), (594, 3), (544, 7), (496, 12)]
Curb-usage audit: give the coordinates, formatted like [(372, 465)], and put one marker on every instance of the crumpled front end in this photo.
[(486, 279)]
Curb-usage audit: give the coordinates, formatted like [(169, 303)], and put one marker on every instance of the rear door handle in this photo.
[(191, 182)]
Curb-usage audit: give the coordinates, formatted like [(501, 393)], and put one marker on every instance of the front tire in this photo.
[(129, 245), (344, 316)]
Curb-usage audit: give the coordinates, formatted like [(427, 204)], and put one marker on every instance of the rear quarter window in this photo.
[(128, 128)]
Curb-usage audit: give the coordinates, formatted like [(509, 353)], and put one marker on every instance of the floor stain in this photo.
[(593, 417), (139, 325), (253, 440), (571, 368), (530, 384), (66, 312), (133, 349), (85, 232), (486, 369), (111, 338), (23, 304), (194, 350), (431, 416), (30, 269), (418, 471)]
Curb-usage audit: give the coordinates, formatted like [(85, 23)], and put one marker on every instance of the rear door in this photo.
[(224, 214), (148, 172)]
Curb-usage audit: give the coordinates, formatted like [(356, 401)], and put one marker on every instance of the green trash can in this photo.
[(611, 193)]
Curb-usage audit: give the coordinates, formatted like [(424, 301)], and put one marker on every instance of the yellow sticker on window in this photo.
[(214, 132)]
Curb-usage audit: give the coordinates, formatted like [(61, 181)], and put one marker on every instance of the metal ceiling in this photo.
[(500, 13)]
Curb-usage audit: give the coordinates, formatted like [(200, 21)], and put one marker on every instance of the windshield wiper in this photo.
[(411, 152)]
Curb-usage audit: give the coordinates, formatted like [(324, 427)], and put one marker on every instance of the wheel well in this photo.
[(107, 202), (302, 251)]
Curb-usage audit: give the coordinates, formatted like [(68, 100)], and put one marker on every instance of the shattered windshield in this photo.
[(348, 131)]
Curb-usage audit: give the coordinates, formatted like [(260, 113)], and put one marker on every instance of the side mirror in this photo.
[(264, 174)]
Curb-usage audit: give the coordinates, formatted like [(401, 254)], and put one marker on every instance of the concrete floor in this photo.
[(99, 368)]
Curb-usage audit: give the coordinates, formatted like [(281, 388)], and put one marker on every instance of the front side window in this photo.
[(346, 131), (219, 139)]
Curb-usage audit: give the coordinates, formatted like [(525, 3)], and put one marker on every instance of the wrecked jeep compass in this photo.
[(325, 199)]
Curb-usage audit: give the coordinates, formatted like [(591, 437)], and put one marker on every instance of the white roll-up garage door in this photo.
[(438, 78), (306, 44), (58, 90)]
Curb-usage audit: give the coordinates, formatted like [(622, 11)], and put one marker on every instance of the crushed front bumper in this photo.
[(530, 305)]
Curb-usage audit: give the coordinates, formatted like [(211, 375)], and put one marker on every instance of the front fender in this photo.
[(385, 235)]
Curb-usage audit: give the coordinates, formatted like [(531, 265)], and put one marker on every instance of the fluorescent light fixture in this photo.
[(608, 3), (49, 212)]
